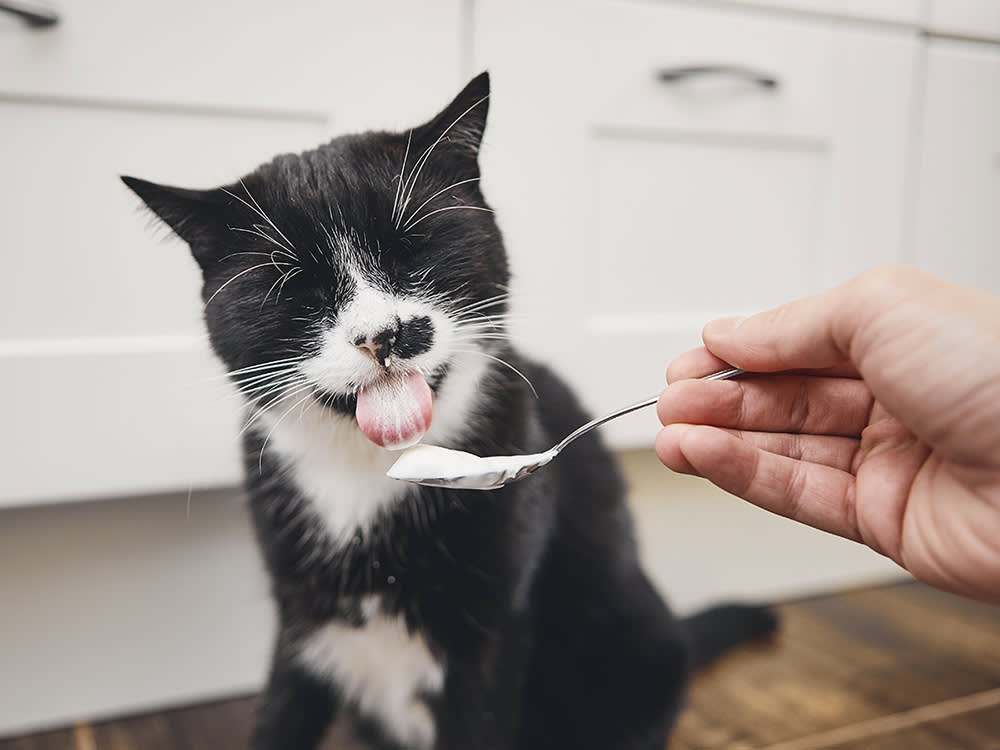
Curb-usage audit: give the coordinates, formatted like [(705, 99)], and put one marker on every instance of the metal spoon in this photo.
[(443, 467)]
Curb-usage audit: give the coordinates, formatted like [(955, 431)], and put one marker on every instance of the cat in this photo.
[(357, 295)]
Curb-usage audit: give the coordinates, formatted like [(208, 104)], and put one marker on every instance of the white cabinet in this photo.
[(637, 209), (908, 12), (111, 387), (975, 19), (957, 218)]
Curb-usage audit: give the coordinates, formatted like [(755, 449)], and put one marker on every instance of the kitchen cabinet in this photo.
[(101, 343), (956, 230), (909, 12), (972, 19), (770, 164)]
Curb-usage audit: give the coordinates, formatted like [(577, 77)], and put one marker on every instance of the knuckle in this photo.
[(796, 482), (799, 406)]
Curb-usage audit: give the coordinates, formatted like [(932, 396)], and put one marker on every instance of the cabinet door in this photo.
[(636, 209), (101, 338), (893, 11), (958, 192), (256, 57), (112, 390), (976, 19)]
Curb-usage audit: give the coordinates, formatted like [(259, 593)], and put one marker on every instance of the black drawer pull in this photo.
[(36, 14), (683, 72)]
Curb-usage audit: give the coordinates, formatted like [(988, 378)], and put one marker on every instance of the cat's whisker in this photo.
[(399, 182), (307, 387), (285, 279), (269, 363), (446, 208), (280, 284), (266, 382), (439, 192), (478, 304), (254, 417), (256, 383), (503, 362), (262, 214), (232, 279), (241, 376), (256, 252), (264, 236), (418, 167)]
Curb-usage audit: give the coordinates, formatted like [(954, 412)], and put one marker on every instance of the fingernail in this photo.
[(723, 326)]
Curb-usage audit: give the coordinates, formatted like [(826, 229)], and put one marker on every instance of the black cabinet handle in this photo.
[(36, 14), (683, 72)]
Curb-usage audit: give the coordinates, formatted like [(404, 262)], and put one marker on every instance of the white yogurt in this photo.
[(442, 467)]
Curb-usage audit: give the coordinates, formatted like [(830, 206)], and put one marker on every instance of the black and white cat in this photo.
[(356, 293)]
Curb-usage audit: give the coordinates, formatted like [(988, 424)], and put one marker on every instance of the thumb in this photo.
[(811, 333)]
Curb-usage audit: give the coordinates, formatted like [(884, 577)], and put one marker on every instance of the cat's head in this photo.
[(352, 277)]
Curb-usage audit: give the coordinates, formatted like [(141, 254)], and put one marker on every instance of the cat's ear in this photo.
[(460, 125), (196, 216)]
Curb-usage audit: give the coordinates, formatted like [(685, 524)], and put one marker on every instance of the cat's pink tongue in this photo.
[(396, 412)]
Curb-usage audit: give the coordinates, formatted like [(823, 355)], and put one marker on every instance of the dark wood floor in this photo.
[(893, 668)]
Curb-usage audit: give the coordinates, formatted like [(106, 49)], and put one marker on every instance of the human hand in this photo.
[(883, 428)]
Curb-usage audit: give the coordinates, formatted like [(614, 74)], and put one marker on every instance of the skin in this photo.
[(882, 426)]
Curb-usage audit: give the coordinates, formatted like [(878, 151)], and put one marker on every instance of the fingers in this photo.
[(796, 335), (829, 450), (694, 364), (771, 403), (699, 362), (841, 324), (815, 494)]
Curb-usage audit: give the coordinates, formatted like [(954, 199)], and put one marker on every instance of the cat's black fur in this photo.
[(530, 598)]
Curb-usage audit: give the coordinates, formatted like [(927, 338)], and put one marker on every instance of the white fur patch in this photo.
[(336, 467), (382, 669), (330, 460)]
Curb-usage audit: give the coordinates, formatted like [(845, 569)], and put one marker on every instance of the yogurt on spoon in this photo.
[(442, 467)]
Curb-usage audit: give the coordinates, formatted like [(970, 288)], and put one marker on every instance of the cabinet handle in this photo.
[(38, 15), (680, 73)]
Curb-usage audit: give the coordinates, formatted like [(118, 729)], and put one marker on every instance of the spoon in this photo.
[(442, 467)]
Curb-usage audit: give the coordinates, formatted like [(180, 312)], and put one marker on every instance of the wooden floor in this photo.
[(894, 668)]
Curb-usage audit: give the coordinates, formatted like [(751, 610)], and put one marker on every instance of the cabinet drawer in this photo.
[(977, 19), (637, 42), (88, 264), (908, 12), (301, 56), (106, 418)]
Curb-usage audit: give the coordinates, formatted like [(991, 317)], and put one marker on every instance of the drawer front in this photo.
[(110, 418), (89, 264), (908, 12), (301, 57), (720, 62), (977, 19)]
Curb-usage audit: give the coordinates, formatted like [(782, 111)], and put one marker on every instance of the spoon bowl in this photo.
[(434, 466)]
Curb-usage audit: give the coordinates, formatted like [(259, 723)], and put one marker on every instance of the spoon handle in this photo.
[(729, 372)]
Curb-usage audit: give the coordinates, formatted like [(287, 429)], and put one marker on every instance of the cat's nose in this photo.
[(379, 345)]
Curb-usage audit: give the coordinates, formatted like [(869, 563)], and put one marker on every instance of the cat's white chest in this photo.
[(341, 472), (381, 668), (338, 470)]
